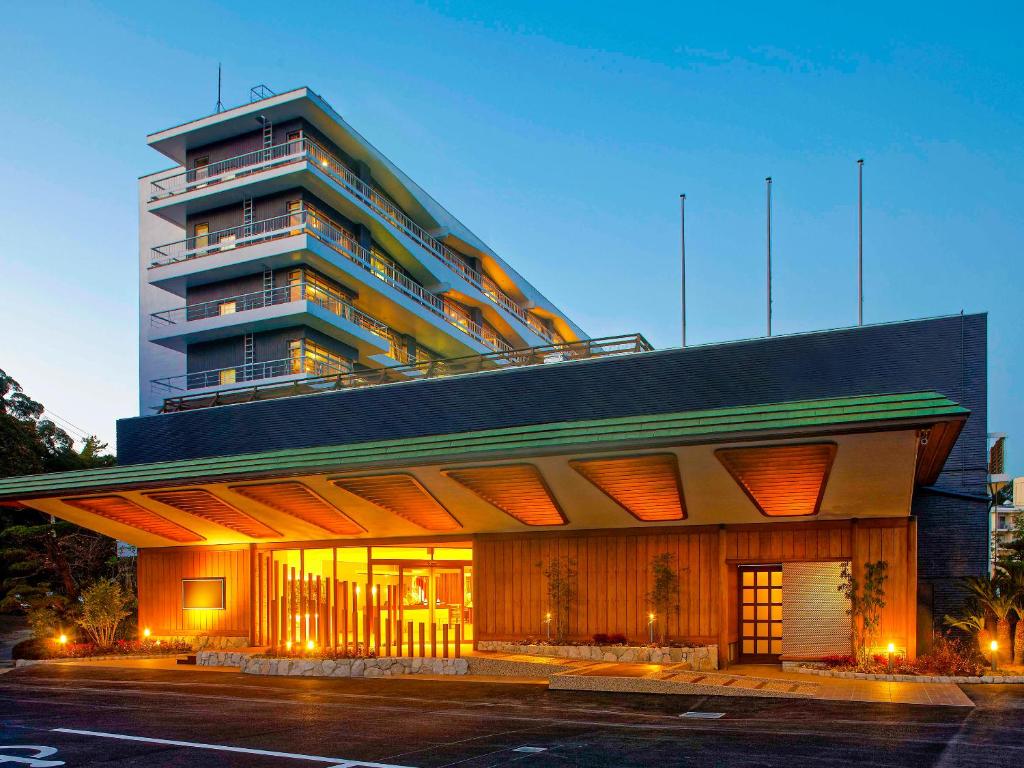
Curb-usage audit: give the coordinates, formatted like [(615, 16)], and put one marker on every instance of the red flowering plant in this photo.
[(119, 648)]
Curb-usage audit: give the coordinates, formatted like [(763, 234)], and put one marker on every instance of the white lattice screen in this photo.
[(814, 618)]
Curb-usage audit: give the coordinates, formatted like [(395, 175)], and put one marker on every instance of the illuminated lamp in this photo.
[(146, 632), (994, 645), (310, 645), (62, 640)]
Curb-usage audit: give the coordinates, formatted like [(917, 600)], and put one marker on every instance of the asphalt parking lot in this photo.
[(90, 716)]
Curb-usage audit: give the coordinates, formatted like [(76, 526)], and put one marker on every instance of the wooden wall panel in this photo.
[(614, 575), (160, 572)]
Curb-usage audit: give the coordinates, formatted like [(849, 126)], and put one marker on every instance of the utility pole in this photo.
[(860, 242), (682, 254), (768, 194)]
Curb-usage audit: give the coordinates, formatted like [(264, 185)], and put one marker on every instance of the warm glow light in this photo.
[(357, 589), (547, 616), (650, 617), (310, 645), (146, 632), (994, 646), (892, 648), (158, 642), (288, 645), (373, 589), (63, 639), (323, 162)]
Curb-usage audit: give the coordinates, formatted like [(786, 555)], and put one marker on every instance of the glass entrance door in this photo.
[(760, 612)]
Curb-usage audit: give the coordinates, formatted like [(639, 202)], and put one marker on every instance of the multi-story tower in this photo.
[(283, 247)]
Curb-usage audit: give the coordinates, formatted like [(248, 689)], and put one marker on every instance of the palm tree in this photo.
[(972, 619), (1012, 573), (996, 595)]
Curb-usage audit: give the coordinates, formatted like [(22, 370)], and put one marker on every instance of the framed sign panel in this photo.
[(203, 594)]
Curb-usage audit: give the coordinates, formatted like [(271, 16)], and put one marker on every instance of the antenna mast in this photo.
[(220, 104)]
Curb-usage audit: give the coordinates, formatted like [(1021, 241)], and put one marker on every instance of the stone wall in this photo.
[(387, 666), (699, 657)]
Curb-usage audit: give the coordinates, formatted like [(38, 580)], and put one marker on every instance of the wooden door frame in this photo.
[(754, 658)]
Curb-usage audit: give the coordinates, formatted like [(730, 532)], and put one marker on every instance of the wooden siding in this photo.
[(160, 572), (614, 576)]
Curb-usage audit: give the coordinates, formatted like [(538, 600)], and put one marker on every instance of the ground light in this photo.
[(650, 627), (62, 640), (995, 653), (892, 650), (547, 623), (146, 632), (310, 645)]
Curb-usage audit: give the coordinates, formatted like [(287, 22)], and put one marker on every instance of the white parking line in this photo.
[(338, 762)]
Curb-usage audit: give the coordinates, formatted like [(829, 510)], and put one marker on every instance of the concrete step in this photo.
[(189, 659)]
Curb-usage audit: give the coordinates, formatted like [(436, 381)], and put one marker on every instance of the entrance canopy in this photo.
[(829, 459)]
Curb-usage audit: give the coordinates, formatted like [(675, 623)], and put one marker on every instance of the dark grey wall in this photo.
[(267, 346)]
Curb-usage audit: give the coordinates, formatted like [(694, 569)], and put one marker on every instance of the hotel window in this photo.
[(201, 235), (318, 289), (200, 168), (294, 139), (294, 215), (309, 357), (227, 307), (227, 376)]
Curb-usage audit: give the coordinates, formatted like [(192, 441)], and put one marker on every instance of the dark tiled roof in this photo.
[(946, 355)]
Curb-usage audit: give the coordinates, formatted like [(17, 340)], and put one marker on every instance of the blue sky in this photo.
[(562, 134)]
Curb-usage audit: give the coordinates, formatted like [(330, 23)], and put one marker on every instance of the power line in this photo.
[(67, 424)]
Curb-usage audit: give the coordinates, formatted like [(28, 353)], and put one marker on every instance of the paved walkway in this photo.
[(757, 680), (752, 680)]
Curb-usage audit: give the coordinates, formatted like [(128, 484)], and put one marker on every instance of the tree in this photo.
[(44, 562), (866, 603), (664, 594), (1012, 572), (996, 595), (104, 606), (561, 575)]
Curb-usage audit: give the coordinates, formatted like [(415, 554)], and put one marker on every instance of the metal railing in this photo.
[(309, 150), (339, 240), (300, 291), (548, 354), (268, 369)]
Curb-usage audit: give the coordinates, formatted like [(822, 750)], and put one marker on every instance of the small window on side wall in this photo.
[(202, 594)]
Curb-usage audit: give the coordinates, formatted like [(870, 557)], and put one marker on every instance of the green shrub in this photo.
[(104, 606)]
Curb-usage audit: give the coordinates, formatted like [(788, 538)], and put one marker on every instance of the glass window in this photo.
[(200, 235)]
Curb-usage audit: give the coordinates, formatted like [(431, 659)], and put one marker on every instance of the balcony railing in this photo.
[(314, 367), (339, 240), (549, 354), (301, 291), (309, 150)]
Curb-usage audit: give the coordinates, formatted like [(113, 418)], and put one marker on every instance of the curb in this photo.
[(984, 679)]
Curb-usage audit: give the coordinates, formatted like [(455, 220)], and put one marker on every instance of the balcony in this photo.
[(315, 224), (226, 393), (294, 292), (304, 366), (307, 150)]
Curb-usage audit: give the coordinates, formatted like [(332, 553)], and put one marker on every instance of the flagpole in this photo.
[(860, 242), (768, 192), (682, 255)]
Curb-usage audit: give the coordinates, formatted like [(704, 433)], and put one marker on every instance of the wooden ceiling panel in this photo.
[(518, 490), (404, 496), (781, 480), (648, 487), (295, 499), (203, 504), (127, 512)]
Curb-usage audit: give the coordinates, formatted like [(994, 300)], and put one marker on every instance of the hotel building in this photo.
[(358, 423)]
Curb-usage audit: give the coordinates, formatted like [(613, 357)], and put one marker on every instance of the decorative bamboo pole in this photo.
[(444, 634), (343, 603), (411, 654), (292, 621), (376, 620), (423, 640), (368, 615), (433, 639), (458, 640)]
